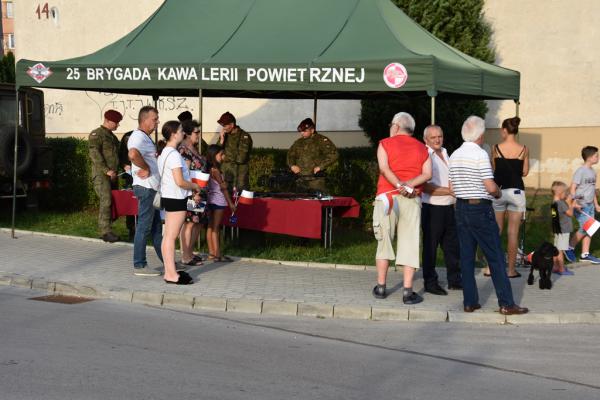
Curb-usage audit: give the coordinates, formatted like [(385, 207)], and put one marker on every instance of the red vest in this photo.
[(406, 156)]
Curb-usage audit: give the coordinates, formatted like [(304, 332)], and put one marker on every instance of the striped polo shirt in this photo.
[(469, 166)]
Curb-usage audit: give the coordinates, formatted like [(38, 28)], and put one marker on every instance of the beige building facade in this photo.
[(553, 43)]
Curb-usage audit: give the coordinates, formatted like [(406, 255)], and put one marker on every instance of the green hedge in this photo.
[(71, 187), (355, 175)]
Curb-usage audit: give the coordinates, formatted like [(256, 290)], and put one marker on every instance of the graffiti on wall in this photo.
[(128, 105)]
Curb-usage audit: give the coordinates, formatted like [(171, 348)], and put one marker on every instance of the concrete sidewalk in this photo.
[(92, 268)]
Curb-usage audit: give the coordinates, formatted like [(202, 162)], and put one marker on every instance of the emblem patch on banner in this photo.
[(395, 75), (39, 72)]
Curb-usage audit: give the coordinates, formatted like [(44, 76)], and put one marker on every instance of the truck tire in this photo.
[(7, 151)]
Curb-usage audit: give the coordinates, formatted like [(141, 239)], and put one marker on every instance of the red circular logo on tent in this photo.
[(395, 75)]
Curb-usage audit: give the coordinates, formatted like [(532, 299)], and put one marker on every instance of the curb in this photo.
[(269, 308)]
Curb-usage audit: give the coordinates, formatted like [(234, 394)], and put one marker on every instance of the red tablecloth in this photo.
[(296, 217), (123, 203)]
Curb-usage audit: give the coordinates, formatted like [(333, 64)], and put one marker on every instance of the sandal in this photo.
[(222, 259), (194, 262), (184, 279), (518, 275), (197, 258)]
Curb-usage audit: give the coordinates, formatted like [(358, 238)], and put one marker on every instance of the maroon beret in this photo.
[(306, 123), (184, 116), (226, 118), (114, 116)]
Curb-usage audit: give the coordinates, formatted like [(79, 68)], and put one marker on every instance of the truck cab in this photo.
[(34, 156)]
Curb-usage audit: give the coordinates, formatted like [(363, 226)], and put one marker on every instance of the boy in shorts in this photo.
[(583, 190), (562, 211)]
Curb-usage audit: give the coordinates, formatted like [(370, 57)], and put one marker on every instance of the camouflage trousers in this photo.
[(103, 186), (236, 175)]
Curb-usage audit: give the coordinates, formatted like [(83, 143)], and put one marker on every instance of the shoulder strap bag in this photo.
[(157, 197)]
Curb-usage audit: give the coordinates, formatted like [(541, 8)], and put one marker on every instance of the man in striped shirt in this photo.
[(472, 181)]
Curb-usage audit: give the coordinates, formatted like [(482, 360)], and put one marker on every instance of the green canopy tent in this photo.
[(328, 49)]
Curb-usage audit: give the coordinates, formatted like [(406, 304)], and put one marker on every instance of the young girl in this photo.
[(175, 189), (218, 199)]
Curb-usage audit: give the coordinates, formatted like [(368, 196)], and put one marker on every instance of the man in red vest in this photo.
[(404, 166)]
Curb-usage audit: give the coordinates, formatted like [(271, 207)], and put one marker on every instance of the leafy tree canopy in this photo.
[(459, 23)]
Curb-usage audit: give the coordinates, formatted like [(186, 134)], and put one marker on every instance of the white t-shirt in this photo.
[(140, 141), (168, 187), (439, 177)]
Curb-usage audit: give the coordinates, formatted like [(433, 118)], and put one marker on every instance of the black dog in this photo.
[(542, 260)]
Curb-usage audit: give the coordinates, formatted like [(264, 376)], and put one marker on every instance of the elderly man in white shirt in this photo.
[(437, 218), (472, 180)]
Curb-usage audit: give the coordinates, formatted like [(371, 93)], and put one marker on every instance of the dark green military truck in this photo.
[(34, 156)]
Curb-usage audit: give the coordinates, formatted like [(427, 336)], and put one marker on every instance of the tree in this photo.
[(459, 23), (7, 68)]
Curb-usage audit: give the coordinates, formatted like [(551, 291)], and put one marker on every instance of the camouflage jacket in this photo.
[(314, 151), (104, 151), (238, 145)]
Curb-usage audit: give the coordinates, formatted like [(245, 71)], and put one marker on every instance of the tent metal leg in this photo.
[(432, 110), (517, 104), (200, 105), (155, 98), (315, 109), (14, 196)]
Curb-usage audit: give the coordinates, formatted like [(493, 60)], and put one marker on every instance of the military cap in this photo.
[(306, 123), (184, 116), (226, 118), (114, 116)]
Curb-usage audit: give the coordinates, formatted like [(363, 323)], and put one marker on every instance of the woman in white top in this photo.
[(175, 187)]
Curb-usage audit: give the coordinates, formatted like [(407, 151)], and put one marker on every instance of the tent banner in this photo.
[(386, 76)]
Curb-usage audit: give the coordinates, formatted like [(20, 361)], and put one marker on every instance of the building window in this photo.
[(9, 9), (11, 41)]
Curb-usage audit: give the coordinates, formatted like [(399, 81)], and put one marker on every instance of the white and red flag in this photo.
[(199, 177), (247, 197)]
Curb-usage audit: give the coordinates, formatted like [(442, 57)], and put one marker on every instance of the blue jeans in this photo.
[(148, 223), (476, 226)]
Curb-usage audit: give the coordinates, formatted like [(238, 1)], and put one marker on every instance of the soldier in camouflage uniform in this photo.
[(237, 144), (309, 157), (104, 153)]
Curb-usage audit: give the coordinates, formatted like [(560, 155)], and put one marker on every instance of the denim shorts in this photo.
[(511, 200), (213, 207), (581, 217)]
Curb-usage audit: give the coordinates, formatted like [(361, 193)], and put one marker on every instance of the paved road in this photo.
[(109, 350)]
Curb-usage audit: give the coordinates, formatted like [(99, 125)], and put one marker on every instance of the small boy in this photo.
[(562, 224), (583, 190)]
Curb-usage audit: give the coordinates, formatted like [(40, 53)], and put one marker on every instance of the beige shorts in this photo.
[(403, 222), (561, 241), (511, 200)]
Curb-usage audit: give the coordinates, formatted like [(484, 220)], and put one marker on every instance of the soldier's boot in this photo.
[(110, 237)]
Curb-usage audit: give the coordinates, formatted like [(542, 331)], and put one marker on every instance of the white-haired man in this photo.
[(472, 180), (437, 218), (404, 166)]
